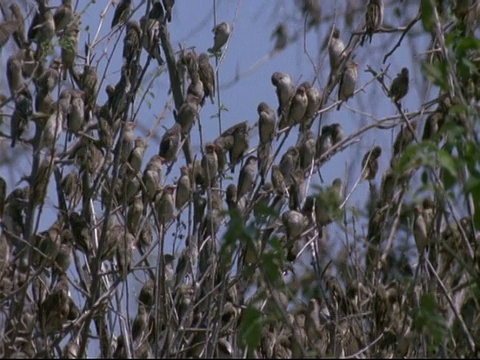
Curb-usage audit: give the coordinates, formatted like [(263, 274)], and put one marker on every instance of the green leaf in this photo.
[(426, 8), (251, 327), (447, 162), (436, 73)]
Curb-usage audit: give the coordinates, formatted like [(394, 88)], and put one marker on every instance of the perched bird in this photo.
[(19, 32), (399, 87), (20, 117), (221, 34), (280, 34), (75, 117), (124, 252), (278, 180), (182, 195), (69, 43), (168, 5), (294, 222), (404, 138), (146, 296), (307, 150), (6, 31), (373, 17), (246, 177), (314, 97), (89, 85), (297, 109), (42, 28), (288, 163), (264, 156), (266, 123), (284, 89), (170, 143), (297, 189), (207, 76), (127, 141), (122, 12), (420, 232), (140, 323), (63, 15), (135, 158), (324, 142), (132, 41), (165, 205), (14, 73), (51, 129), (187, 113), (433, 124), (370, 163), (210, 163), (347, 82), (336, 132), (240, 143), (336, 50), (327, 204), (150, 38), (195, 88), (49, 77)]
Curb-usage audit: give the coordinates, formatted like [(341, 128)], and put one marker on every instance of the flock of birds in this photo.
[(91, 129)]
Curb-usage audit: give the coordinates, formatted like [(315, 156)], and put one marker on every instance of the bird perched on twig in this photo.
[(347, 82), (373, 18), (399, 87), (122, 12), (370, 163), (221, 34)]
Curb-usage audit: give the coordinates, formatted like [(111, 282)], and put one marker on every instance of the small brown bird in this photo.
[(240, 143), (221, 34), (307, 150), (135, 158), (264, 156), (314, 97), (168, 5), (195, 89), (297, 109), (187, 113), (132, 41), (336, 50), (207, 76), (182, 195), (284, 89), (76, 114), (399, 87), (6, 31), (373, 17), (122, 12), (347, 82), (170, 143), (247, 177), (20, 117), (89, 85), (69, 43), (150, 38), (42, 28), (278, 181), (63, 15), (404, 138), (14, 73), (433, 124), (19, 33), (336, 131), (324, 142), (128, 141), (266, 123), (210, 163), (288, 163), (146, 296), (165, 205), (370, 163), (420, 232), (294, 222), (140, 323)]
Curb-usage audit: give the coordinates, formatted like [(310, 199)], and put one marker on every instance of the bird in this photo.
[(170, 143), (75, 117), (132, 41), (240, 143), (347, 82), (89, 85), (150, 38), (399, 86), (165, 204), (297, 109), (207, 76), (370, 163), (187, 113), (264, 156), (42, 28), (336, 50), (280, 34), (266, 123), (135, 158), (19, 32), (373, 17), (278, 180), (221, 34), (20, 117), (210, 163), (284, 89), (324, 142), (307, 150), (63, 15), (294, 222), (314, 97), (246, 177), (288, 163), (182, 194), (14, 73), (122, 12), (69, 43), (420, 232)]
